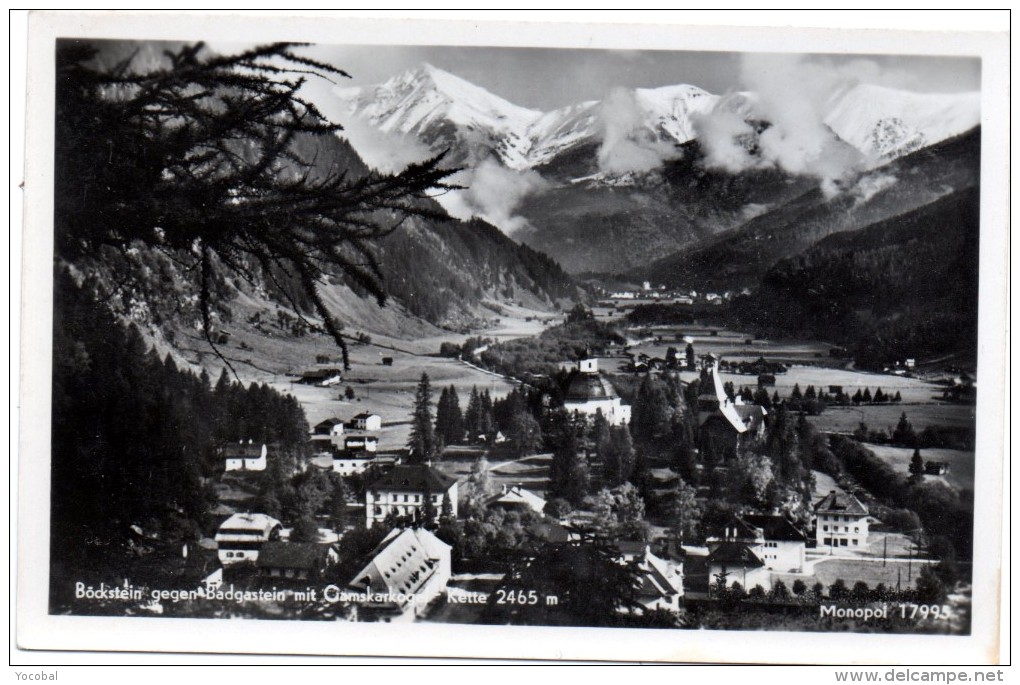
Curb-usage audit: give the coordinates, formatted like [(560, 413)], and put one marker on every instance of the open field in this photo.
[(274, 357), (961, 463), (885, 416), (733, 345), (871, 571)]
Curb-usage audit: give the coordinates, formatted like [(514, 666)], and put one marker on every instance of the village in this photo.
[(447, 513)]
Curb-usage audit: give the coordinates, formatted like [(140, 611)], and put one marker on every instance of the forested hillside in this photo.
[(738, 258), (134, 439), (906, 287)]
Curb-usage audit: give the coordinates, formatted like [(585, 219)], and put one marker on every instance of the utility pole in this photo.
[(885, 547)]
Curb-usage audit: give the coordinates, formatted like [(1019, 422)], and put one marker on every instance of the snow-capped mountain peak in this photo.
[(432, 104), (886, 123), (445, 111)]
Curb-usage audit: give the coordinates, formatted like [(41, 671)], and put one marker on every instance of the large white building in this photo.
[(402, 491), (590, 393), (774, 540), (408, 569), (841, 521)]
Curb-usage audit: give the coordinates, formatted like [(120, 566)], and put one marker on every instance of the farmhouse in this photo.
[(327, 429), (841, 521), (403, 490), (241, 536), (773, 539), (321, 377), (408, 569), (366, 422), (589, 393), (296, 560), (242, 456)]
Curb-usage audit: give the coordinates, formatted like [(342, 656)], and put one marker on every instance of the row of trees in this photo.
[(514, 416), (930, 589)]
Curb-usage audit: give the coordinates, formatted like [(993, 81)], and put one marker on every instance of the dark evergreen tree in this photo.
[(449, 420), (422, 441), (473, 415), (904, 434), (618, 456), (916, 467), (652, 412)]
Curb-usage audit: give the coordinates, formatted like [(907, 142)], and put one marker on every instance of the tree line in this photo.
[(135, 439)]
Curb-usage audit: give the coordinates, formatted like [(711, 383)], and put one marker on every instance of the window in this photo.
[(825, 529), (856, 529), (854, 542)]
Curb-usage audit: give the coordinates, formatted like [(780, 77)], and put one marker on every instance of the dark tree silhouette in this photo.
[(208, 159), (423, 438)]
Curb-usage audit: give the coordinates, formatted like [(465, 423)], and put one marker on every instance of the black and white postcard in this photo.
[(423, 338)]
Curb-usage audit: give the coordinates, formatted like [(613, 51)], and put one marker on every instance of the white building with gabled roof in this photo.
[(841, 520), (240, 538), (408, 570)]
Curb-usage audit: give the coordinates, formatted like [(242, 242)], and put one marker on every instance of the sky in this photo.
[(545, 79)]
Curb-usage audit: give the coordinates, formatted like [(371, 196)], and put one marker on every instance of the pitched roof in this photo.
[(518, 496), (402, 563), (655, 579), (242, 450), (735, 554), (413, 478), (297, 555), (247, 524), (775, 527), (840, 503), (365, 415)]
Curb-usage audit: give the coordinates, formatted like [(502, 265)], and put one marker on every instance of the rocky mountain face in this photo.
[(619, 183)]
